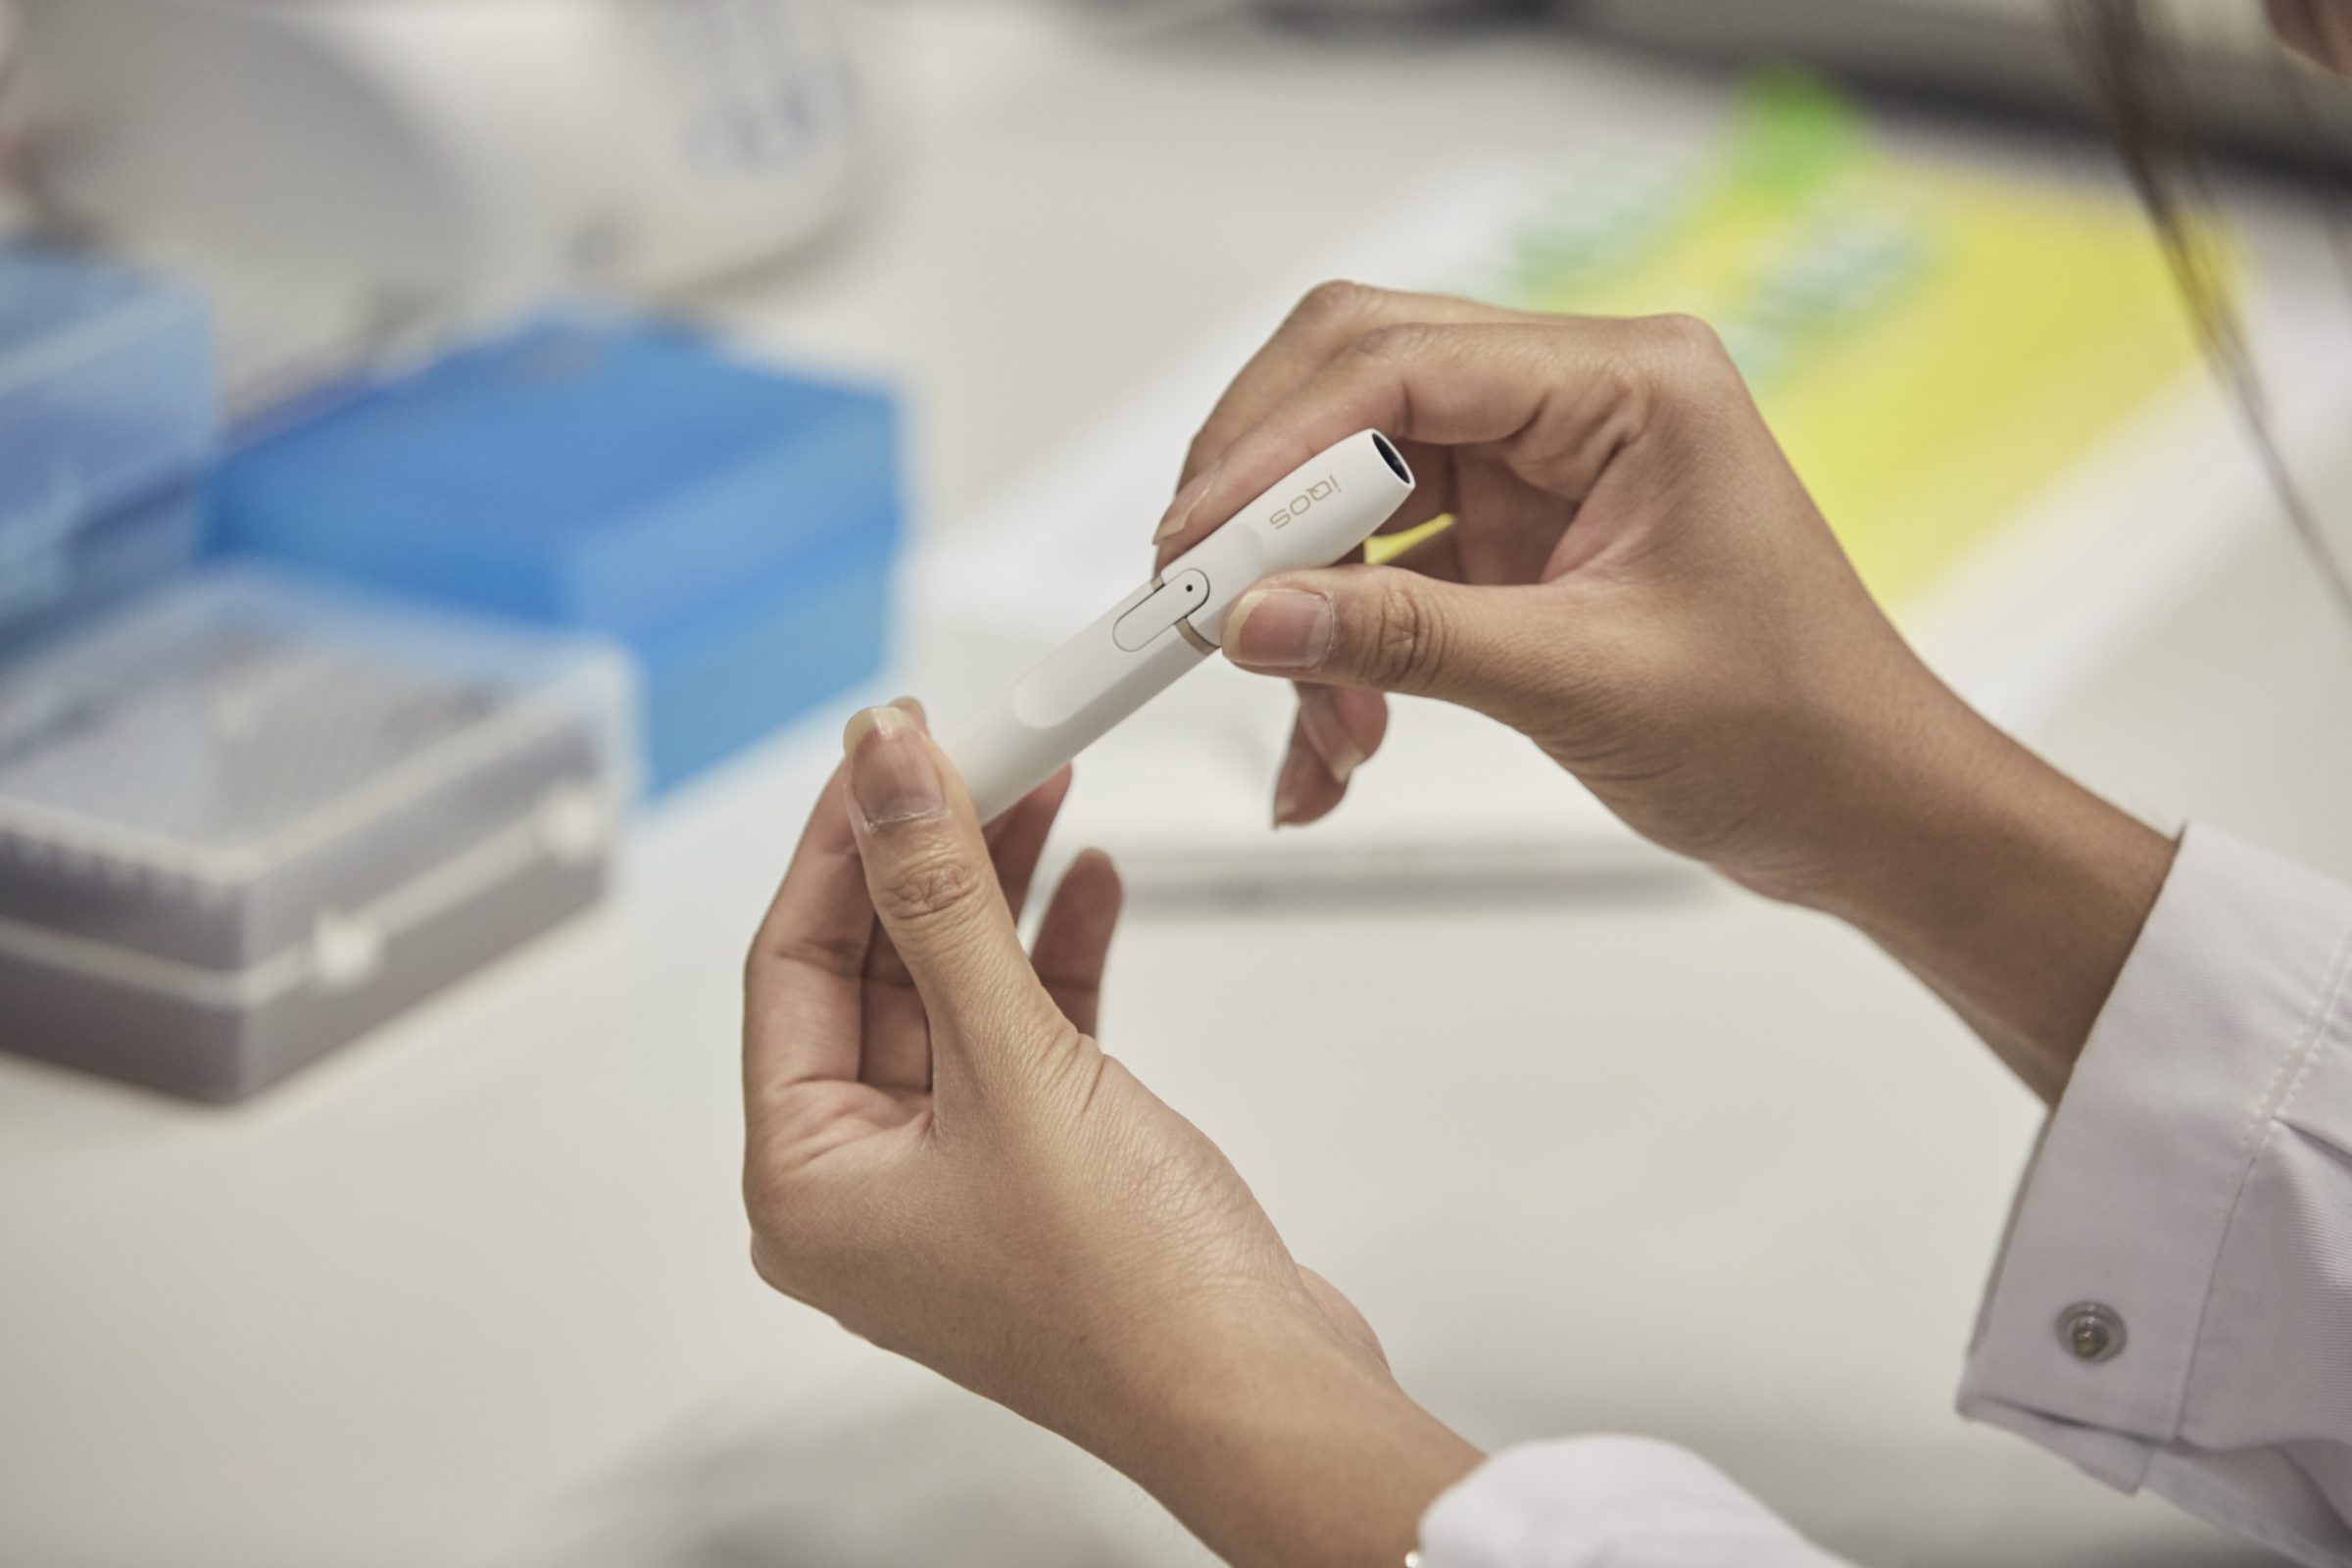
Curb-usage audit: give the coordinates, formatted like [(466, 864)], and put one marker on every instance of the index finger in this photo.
[(1554, 398), (1326, 320), (801, 984), (1321, 325)]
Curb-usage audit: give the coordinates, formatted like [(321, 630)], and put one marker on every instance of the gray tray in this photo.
[(244, 822)]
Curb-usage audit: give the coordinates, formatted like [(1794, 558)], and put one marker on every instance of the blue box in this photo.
[(109, 407), (736, 526)]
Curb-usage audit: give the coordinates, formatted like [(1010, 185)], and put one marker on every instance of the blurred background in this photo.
[(460, 463)]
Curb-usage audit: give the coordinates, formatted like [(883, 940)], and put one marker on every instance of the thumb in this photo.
[(1395, 630), (935, 890)]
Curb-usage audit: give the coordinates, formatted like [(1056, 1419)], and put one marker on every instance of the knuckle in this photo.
[(1334, 302), (1687, 346), (1684, 333), (1674, 366), (1402, 646), (829, 955), (930, 885)]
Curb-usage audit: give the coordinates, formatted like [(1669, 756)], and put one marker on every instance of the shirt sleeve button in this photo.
[(2090, 1332)]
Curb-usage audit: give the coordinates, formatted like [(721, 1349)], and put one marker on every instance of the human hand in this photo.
[(1695, 648), (1636, 579), (940, 1157)]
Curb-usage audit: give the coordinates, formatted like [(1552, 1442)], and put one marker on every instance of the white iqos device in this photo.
[(1322, 509)]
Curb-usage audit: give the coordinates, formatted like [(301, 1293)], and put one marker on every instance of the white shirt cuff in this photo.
[(1606, 1502), (2123, 1213)]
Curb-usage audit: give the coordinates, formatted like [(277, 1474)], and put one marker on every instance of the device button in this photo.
[(1174, 599)]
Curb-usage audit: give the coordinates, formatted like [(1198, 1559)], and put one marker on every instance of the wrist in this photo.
[(1283, 1443), (2013, 891), (1902, 802), (1862, 769)]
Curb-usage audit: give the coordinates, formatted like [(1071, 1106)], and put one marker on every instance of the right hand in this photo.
[(1635, 577)]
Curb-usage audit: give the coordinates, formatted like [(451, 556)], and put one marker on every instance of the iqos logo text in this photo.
[(1322, 489)]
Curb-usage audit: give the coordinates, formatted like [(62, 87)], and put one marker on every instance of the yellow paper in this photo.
[(1929, 344)]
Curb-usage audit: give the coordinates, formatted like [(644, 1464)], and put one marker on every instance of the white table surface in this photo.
[(1676, 1163)]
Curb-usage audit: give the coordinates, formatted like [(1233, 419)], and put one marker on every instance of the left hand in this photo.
[(940, 1157)]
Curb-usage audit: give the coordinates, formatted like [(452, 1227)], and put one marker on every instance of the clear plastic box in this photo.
[(108, 410), (246, 820), (55, 577)]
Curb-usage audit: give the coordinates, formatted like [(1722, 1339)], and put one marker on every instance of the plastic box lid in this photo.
[(587, 469), (107, 396), (186, 786)]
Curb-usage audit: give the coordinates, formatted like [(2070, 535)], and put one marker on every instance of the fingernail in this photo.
[(1319, 718), (1279, 628), (1180, 509), (914, 706), (891, 772), (1289, 785)]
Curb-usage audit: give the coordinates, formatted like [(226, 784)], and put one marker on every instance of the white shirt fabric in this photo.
[(2195, 1186)]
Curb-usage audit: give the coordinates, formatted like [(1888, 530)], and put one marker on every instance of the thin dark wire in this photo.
[(2132, 76)]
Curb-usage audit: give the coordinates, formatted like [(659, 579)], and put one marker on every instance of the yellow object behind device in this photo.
[(1929, 344)]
